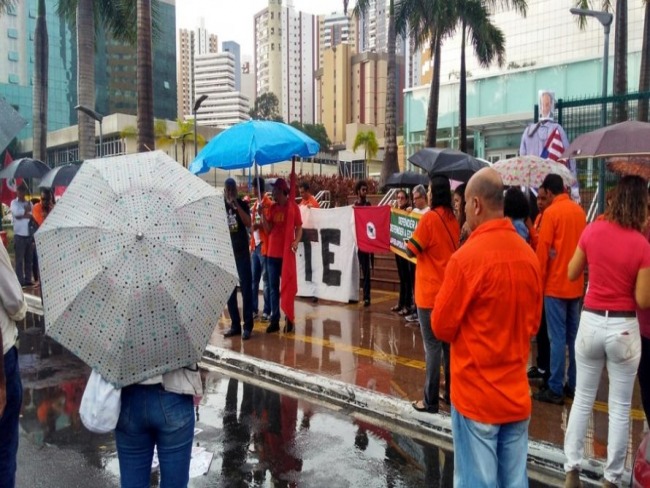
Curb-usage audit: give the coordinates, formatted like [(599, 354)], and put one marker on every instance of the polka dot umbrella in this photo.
[(136, 266)]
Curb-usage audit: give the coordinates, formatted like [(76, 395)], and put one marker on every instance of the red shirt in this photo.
[(278, 219), (614, 255), (488, 308)]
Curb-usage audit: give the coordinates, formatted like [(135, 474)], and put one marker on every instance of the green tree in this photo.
[(644, 76), (368, 140), (488, 42), (317, 132), (145, 77), (40, 90), (267, 107), (429, 22), (5, 5), (390, 164)]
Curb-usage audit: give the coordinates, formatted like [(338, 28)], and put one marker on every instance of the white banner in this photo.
[(326, 262)]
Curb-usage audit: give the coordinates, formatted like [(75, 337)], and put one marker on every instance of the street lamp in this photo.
[(98, 117), (197, 104), (605, 18)]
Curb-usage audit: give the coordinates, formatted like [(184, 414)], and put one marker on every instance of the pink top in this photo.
[(614, 255), (644, 314)]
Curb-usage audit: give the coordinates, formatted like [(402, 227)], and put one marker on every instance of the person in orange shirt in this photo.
[(488, 308), (434, 240), (562, 225), (306, 198), (258, 247)]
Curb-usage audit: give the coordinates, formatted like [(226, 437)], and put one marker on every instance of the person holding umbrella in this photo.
[(21, 212), (239, 220), (276, 227)]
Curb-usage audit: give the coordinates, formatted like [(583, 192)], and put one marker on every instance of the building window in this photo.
[(12, 33), (13, 56), (13, 79)]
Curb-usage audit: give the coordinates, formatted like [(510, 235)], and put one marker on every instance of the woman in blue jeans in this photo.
[(157, 413), (608, 334)]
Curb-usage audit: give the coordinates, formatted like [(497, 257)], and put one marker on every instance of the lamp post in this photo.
[(98, 117), (197, 104), (605, 18)]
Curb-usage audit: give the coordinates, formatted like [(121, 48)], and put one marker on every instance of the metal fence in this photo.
[(580, 116)]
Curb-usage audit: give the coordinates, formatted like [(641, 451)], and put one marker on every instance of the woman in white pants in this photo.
[(618, 256)]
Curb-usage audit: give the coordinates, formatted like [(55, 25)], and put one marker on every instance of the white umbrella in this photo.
[(136, 266)]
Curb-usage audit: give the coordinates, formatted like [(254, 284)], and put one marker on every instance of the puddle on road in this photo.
[(259, 437)]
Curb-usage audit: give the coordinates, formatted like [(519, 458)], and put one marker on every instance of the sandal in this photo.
[(419, 406)]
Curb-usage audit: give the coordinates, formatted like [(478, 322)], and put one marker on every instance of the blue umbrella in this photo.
[(256, 141)]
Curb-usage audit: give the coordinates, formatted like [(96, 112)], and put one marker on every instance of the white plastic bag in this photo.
[(100, 405)]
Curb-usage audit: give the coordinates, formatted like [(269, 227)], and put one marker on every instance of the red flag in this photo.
[(554, 147), (289, 280), (8, 188), (372, 225)]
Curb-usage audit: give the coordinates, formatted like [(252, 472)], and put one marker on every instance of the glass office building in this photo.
[(115, 67)]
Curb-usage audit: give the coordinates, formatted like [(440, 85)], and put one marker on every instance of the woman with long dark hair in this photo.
[(434, 240), (608, 334)]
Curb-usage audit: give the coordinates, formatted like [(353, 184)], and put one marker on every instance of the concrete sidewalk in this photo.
[(370, 362)]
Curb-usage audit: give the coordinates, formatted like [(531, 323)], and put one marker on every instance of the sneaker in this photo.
[(256, 315), (265, 317), (534, 373), (412, 318), (273, 327), (569, 392), (549, 396)]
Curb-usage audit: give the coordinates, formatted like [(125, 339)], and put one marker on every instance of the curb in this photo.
[(545, 461)]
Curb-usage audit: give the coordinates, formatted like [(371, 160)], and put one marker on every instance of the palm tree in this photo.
[(429, 23), (390, 164), (145, 78), (488, 42), (620, 51), (368, 140), (39, 108), (644, 76), (87, 15), (6, 5)]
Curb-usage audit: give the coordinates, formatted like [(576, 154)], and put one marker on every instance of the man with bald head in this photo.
[(488, 309)]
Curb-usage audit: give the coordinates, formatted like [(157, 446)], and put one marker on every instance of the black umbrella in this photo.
[(59, 176), (24, 168), (406, 179), (453, 164)]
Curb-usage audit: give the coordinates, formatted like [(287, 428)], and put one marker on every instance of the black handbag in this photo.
[(33, 227)]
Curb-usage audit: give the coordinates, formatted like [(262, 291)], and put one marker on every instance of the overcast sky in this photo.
[(232, 20)]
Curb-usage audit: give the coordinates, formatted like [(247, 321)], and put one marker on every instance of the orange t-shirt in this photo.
[(562, 225), (488, 308), (434, 240), (38, 213), (256, 219), (310, 201)]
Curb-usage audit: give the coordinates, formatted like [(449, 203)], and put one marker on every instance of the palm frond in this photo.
[(487, 39)]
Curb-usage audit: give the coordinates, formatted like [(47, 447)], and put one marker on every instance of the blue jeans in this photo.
[(274, 270), (562, 317), (24, 252), (258, 264), (151, 416), (246, 287), (434, 349), (9, 420), (488, 455)]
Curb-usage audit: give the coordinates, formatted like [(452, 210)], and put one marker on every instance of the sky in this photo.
[(232, 20)]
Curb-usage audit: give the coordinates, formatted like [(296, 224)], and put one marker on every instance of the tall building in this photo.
[(373, 29), (248, 78), (286, 58), (191, 43), (115, 71), (334, 29), (233, 47), (215, 76), (334, 88), (114, 67)]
